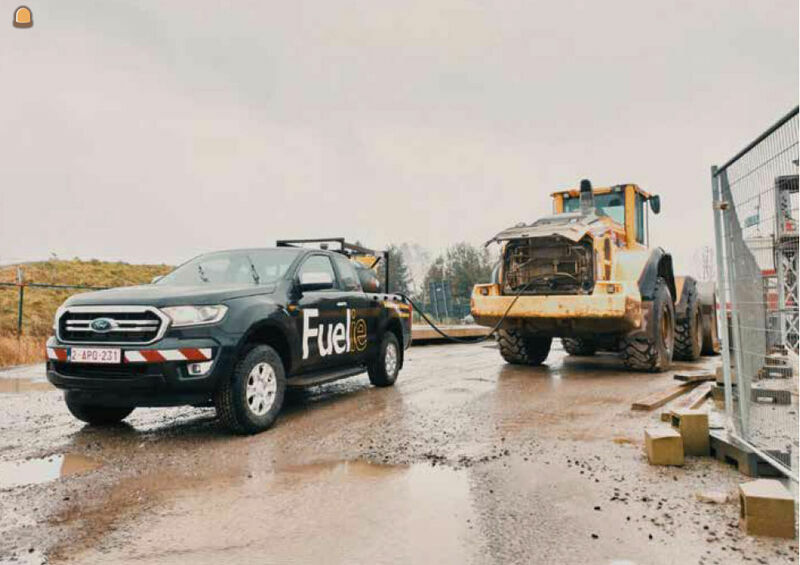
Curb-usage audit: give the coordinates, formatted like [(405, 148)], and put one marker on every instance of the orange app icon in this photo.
[(23, 17)]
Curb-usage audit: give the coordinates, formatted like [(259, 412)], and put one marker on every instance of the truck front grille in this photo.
[(549, 265), (111, 325)]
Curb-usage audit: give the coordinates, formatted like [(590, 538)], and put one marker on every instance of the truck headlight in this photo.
[(182, 316)]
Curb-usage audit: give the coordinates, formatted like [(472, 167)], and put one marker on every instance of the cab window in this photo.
[(317, 264), (348, 280), (611, 204), (640, 212)]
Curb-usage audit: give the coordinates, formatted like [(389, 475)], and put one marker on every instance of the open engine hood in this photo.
[(572, 226)]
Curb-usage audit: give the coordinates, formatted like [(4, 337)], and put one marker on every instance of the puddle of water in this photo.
[(36, 471), (17, 385), (324, 512)]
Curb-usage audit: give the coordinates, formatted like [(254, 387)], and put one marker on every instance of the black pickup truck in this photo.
[(230, 329)]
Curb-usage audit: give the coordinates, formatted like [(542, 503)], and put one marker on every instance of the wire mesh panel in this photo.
[(756, 195)]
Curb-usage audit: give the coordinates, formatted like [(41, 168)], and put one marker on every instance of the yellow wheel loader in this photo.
[(586, 275)]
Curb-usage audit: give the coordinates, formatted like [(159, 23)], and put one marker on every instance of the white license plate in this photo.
[(95, 355)]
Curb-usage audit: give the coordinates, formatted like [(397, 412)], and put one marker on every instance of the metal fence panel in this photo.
[(756, 213)]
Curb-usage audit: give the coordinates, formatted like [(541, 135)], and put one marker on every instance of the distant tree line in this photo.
[(458, 269)]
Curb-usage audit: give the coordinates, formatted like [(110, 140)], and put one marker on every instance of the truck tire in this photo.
[(96, 415), (249, 400), (689, 329), (518, 348), (384, 369), (654, 354), (578, 346)]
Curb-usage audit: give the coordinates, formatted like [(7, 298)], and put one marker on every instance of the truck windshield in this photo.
[(611, 205), (251, 266)]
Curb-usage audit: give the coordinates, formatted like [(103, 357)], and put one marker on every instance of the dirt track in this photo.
[(465, 460)]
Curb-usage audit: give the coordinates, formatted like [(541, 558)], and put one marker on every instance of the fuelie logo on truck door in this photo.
[(342, 337)]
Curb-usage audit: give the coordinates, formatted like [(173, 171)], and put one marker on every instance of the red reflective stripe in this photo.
[(61, 354), (151, 355), (193, 354)]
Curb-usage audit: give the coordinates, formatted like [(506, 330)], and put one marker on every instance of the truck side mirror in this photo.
[(315, 281), (655, 203)]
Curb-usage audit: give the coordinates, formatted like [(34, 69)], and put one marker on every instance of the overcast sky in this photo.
[(150, 132)]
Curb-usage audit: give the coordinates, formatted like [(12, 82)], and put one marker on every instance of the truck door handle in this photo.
[(341, 303)]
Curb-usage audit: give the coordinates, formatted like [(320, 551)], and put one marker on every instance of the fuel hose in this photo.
[(466, 339)]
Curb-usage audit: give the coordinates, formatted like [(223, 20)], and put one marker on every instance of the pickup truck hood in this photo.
[(572, 226), (167, 295)]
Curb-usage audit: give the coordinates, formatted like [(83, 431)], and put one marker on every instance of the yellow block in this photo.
[(766, 508), (693, 427), (664, 446)]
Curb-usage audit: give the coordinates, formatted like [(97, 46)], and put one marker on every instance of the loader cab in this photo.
[(625, 205)]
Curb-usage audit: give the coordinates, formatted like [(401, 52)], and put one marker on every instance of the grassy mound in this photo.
[(40, 304)]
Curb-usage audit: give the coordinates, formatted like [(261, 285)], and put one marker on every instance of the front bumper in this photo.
[(155, 375), (560, 315)]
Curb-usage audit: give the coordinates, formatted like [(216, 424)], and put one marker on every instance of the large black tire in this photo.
[(384, 369), (518, 348), (654, 354), (250, 399), (708, 306), (578, 346), (94, 414), (689, 328)]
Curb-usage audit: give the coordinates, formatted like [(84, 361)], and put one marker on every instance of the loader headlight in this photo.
[(183, 316)]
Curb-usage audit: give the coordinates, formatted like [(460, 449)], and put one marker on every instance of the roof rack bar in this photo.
[(344, 247)]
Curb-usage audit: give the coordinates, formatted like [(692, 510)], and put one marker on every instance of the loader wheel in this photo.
[(518, 348), (708, 308), (578, 346), (654, 354), (689, 329)]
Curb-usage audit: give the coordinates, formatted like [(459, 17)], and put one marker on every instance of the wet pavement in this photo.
[(465, 460)]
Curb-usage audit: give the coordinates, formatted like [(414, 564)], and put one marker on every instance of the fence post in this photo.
[(743, 380), (21, 283), (723, 324)]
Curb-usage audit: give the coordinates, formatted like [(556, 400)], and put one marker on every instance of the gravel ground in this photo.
[(465, 460)]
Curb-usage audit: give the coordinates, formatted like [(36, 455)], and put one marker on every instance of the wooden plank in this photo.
[(694, 376), (661, 397), (692, 401), (423, 332)]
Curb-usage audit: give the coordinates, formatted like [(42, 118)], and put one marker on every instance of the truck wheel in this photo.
[(384, 369), (578, 346), (249, 401), (654, 354), (518, 348), (96, 415), (689, 329)]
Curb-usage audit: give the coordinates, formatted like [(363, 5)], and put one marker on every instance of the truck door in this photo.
[(321, 315), (363, 312)]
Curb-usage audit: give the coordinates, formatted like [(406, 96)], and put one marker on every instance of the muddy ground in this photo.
[(465, 460)]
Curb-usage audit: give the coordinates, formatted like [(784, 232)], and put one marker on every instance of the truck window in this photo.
[(348, 280), (317, 264)]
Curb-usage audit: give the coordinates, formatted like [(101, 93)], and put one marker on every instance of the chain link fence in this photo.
[(755, 219)]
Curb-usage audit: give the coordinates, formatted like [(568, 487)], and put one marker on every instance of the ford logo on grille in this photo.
[(102, 325)]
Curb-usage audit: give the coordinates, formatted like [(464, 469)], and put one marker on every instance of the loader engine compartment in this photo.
[(549, 265)]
